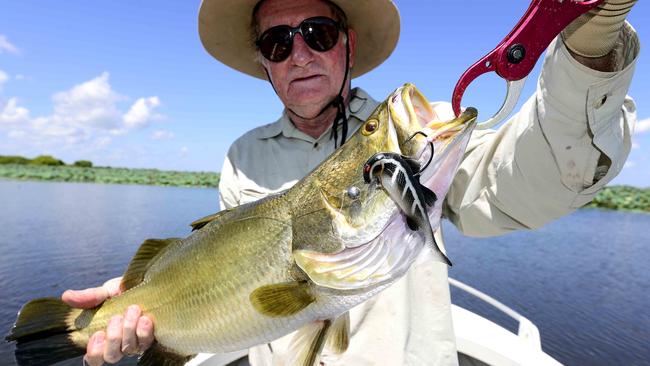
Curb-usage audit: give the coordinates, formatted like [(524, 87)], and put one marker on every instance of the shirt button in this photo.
[(599, 103)]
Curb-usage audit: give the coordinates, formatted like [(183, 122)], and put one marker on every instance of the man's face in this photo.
[(307, 80)]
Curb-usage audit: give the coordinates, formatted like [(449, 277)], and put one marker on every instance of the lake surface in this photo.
[(584, 280)]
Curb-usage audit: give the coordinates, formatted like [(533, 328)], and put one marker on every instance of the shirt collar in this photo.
[(360, 107)]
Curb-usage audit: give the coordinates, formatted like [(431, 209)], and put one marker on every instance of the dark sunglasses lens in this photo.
[(321, 35), (275, 43)]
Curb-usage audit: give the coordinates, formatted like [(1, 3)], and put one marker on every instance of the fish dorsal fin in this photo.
[(282, 299), (307, 344), (430, 197), (338, 337), (197, 224), (144, 257), (157, 355)]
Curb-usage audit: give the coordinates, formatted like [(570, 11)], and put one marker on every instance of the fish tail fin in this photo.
[(44, 333)]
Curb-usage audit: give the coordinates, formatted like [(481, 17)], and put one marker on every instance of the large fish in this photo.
[(299, 259)]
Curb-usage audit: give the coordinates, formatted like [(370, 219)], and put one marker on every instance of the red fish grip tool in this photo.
[(514, 58)]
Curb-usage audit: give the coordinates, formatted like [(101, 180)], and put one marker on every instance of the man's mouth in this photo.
[(306, 78)]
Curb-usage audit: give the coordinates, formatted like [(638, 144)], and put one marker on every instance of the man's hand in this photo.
[(126, 334)]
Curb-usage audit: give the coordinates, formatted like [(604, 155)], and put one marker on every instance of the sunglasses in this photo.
[(320, 34)]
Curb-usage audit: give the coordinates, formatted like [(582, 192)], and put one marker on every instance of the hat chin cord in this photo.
[(337, 102)]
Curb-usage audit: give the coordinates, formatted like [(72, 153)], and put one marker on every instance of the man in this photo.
[(567, 142)]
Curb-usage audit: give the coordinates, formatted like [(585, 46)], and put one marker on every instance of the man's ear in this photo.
[(352, 43)]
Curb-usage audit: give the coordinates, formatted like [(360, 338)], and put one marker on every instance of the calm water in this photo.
[(584, 279)]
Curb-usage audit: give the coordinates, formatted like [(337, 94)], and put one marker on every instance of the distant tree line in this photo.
[(41, 160), (48, 168)]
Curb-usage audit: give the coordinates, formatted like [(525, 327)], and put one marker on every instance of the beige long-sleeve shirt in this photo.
[(540, 165)]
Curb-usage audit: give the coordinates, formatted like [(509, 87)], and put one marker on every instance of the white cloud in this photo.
[(5, 45), (141, 112), (3, 79), (12, 113), (635, 145), (184, 151), (162, 135), (642, 126), (20, 77), (88, 113), (629, 164), (89, 104)]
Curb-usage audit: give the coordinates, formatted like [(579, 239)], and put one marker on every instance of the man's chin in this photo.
[(309, 107)]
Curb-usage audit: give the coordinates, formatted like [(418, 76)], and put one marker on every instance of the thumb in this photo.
[(91, 297)]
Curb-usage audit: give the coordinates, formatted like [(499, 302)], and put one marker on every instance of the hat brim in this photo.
[(225, 31)]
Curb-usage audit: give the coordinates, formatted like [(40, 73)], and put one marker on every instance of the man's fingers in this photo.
[(112, 286), (95, 350), (129, 340), (113, 349), (85, 299), (91, 297), (144, 332)]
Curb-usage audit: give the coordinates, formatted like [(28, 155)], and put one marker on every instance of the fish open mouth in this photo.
[(421, 133)]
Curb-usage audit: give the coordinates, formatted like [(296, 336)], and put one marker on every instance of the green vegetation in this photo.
[(83, 163), (13, 160), (623, 198), (46, 160), (48, 168)]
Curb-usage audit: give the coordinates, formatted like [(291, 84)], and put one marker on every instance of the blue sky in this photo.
[(127, 83)]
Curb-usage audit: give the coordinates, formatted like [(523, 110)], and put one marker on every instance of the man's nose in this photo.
[(301, 54)]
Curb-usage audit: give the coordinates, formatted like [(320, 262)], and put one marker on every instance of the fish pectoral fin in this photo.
[(282, 299), (157, 355), (307, 344), (144, 257), (338, 338)]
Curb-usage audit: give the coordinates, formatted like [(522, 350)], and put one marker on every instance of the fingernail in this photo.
[(132, 311), (99, 339), (144, 321), (115, 320)]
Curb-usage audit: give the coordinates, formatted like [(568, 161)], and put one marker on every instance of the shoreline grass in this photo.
[(624, 198), (108, 175)]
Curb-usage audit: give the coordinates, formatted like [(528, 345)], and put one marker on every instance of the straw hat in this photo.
[(224, 28)]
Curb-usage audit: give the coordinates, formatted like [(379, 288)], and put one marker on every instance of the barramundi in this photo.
[(295, 260)]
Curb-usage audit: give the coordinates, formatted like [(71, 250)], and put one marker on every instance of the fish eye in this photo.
[(370, 127)]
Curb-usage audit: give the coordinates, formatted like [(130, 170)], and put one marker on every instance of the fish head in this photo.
[(344, 210), (370, 244), (439, 146)]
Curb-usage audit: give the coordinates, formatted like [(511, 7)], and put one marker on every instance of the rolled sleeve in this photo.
[(543, 162)]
